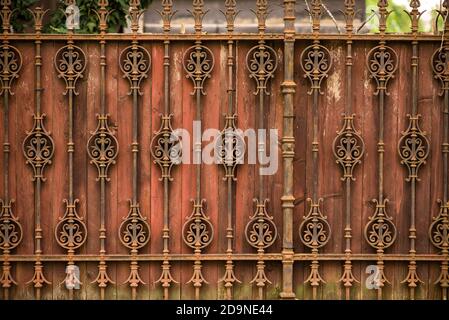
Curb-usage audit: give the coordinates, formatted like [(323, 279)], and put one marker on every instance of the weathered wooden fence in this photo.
[(88, 119)]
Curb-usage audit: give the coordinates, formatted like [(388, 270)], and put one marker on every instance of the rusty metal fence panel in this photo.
[(104, 197)]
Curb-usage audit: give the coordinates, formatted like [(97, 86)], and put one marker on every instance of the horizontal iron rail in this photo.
[(224, 257), (219, 37)]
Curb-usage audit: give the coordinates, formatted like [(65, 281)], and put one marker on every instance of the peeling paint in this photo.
[(334, 86)]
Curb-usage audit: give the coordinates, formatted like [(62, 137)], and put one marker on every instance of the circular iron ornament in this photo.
[(380, 231), (10, 229), (316, 62), (134, 233), (261, 231), (10, 66), (348, 148), (166, 148), (261, 62), (439, 233), (230, 150), (382, 64), (440, 68), (10, 233), (70, 63), (135, 62), (198, 63), (102, 148), (439, 229), (197, 231), (71, 231), (38, 149), (314, 231), (413, 148)]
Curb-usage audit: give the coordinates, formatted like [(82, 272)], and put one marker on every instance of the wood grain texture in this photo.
[(182, 189)]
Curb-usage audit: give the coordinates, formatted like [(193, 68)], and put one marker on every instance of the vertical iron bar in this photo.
[(198, 230), (70, 231), (316, 62), (261, 231), (413, 149), (348, 148), (102, 149), (134, 231), (380, 231), (162, 150), (10, 228), (288, 150), (228, 157), (38, 149)]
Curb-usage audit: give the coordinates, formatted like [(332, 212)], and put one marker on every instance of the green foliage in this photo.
[(22, 18), (398, 21), (88, 18)]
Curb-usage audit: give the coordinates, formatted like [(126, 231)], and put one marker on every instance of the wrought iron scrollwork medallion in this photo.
[(348, 148), (230, 148), (102, 147), (382, 66), (198, 65), (413, 148), (315, 231), (316, 63), (439, 228), (261, 231), (166, 148), (10, 228), (135, 62), (38, 147), (134, 230), (261, 61), (198, 231), (10, 66), (71, 231), (70, 63), (380, 232), (440, 69)]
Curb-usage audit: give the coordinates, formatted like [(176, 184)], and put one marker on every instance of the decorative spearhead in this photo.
[(230, 14), (134, 14), (316, 13), (198, 14), (261, 14), (415, 15), (167, 14), (103, 14), (383, 15), (38, 15), (349, 15), (6, 15)]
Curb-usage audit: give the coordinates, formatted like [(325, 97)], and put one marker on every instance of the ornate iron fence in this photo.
[(298, 240)]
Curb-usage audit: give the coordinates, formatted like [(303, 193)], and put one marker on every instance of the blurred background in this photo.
[(214, 22)]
